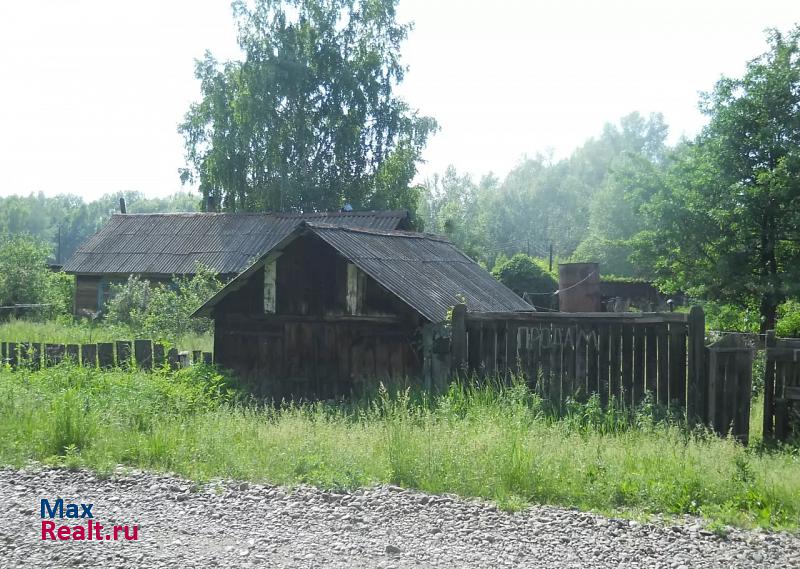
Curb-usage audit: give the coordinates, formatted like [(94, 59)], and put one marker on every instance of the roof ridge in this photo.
[(383, 232), (375, 213)]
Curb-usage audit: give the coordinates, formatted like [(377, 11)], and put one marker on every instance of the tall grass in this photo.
[(84, 332), (492, 441)]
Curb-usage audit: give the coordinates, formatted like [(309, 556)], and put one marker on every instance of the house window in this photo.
[(269, 286)]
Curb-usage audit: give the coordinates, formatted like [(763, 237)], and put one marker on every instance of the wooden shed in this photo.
[(160, 246), (329, 309)]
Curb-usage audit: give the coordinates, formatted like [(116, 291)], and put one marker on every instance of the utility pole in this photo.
[(551, 256)]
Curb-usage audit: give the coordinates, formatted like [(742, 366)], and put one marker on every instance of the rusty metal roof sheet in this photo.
[(174, 243), (425, 271)]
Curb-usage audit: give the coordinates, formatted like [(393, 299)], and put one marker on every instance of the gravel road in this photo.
[(247, 525)]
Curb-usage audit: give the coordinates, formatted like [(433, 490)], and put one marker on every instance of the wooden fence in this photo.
[(142, 354), (624, 356), (781, 387), (730, 384)]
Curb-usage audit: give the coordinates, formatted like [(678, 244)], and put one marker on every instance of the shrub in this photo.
[(25, 277), (524, 274), (788, 325), (163, 311), (730, 318)]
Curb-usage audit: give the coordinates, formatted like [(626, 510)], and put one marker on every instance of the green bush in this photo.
[(788, 325), (730, 318), (524, 274), (25, 277), (163, 311)]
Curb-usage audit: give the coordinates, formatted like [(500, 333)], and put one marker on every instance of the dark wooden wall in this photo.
[(311, 347), (86, 293), (284, 356)]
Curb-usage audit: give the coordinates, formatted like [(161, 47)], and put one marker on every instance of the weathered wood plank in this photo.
[(124, 353), (173, 358), (769, 388), (158, 355), (581, 317), (54, 354), (143, 352), (639, 356), (72, 353), (105, 355), (615, 362), (35, 355), (651, 362), (697, 382), (677, 370), (89, 355), (12, 355), (662, 339), (603, 375), (744, 386), (627, 366), (459, 339)]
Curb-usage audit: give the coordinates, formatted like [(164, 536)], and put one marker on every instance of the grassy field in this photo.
[(497, 443), (56, 332)]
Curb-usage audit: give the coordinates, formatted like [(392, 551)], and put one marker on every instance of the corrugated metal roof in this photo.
[(173, 243), (425, 271)]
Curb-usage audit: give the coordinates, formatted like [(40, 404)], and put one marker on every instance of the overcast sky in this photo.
[(91, 91)]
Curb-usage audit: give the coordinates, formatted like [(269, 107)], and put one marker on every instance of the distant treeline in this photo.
[(65, 221), (585, 205)]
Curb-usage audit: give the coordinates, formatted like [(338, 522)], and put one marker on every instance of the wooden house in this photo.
[(329, 308), (160, 246)]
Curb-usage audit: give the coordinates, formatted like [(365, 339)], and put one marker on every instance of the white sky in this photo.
[(91, 91)]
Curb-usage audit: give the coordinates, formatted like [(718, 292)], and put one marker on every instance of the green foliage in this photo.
[(524, 274), (308, 120), (25, 277), (789, 319), (731, 318), (494, 441), (724, 225), (163, 311)]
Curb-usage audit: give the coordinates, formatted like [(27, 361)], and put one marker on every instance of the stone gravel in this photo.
[(236, 524)]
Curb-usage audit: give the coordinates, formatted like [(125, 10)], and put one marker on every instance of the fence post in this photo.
[(697, 409), (36, 355), (158, 355), (89, 355), (459, 339), (124, 354), (769, 387), (174, 358), (12, 355), (105, 355), (72, 352), (53, 354), (143, 351)]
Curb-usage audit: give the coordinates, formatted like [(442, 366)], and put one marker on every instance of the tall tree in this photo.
[(309, 119), (727, 225)]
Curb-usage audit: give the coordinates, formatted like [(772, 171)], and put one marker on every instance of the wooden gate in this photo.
[(781, 386)]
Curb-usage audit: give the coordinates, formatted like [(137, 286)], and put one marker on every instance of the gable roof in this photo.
[(425, 271), (173, 243)]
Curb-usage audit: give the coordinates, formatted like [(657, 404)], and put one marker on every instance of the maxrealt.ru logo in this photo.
[(89, 531)]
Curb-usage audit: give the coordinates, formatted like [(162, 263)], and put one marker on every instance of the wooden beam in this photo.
[(616, 317)]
